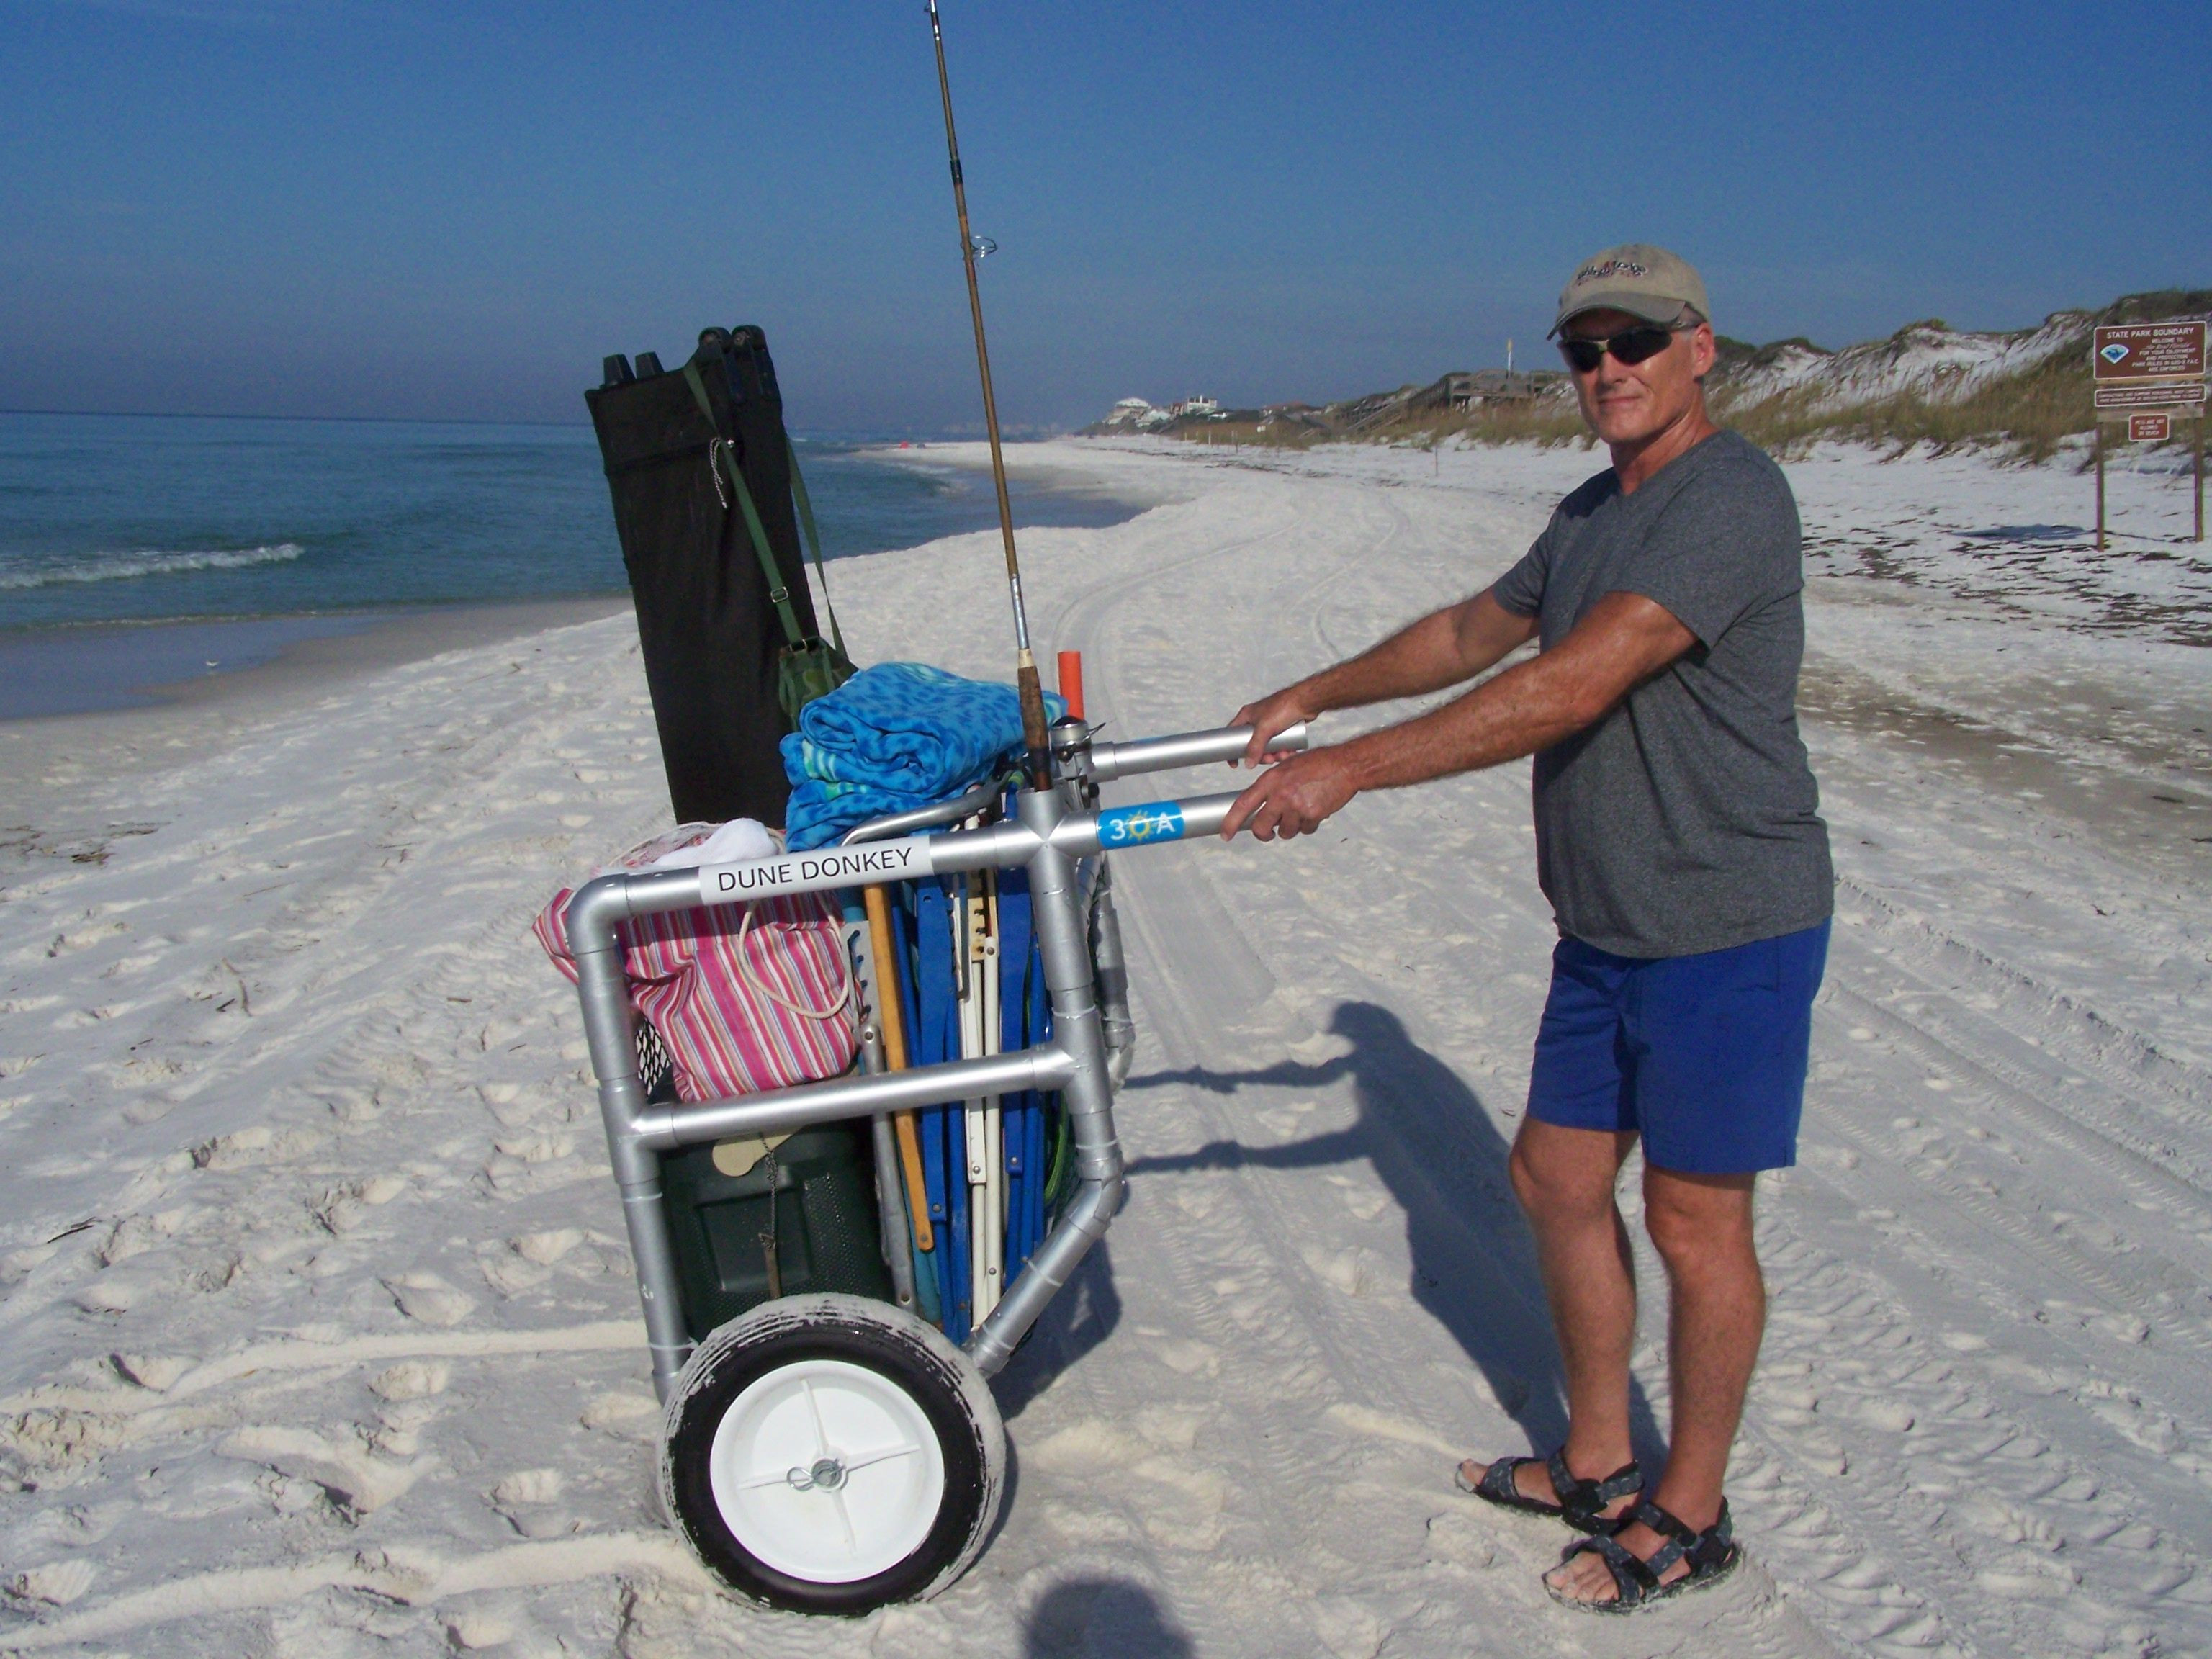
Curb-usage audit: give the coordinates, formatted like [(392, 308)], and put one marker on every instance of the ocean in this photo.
[(137, 550)]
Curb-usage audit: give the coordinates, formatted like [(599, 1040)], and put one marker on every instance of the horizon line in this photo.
[(818, 433)]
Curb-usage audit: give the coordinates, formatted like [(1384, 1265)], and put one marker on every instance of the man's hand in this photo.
[(1268, 718), (1293, 797), (1621, 641)]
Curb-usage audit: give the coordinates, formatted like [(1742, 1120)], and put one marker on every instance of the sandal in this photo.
[(1712, 1555), (1581, 1503)]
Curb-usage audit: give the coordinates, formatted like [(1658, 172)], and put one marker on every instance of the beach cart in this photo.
[(828, 1452)]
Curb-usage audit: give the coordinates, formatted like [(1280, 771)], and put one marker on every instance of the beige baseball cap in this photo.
[(1636, 278)]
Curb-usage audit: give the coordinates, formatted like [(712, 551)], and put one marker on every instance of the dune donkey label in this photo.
[(813, 873)]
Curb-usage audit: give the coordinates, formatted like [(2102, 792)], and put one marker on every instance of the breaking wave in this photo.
[(125, 567)]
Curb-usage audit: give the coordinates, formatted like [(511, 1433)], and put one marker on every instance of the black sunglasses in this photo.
[(1631, 345)]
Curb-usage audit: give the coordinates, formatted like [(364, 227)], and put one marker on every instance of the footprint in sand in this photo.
[(1460, 1541), (430, 1299), (412, 1379), (241, 1151), (157, 1373), (625, 1416), (1893, 1416), (1344, 1269), (511, 1274), (1196, 1202), (58, 1583), (1188, 1357), (1347, 1629), (344, 1208), (507, 1102), (547, 1248), (134, 1235), (480, 1628), (356, 1481), (1365, 1207), (402, 1423), (2006, 1523), (107, 1296), (531, 1501)]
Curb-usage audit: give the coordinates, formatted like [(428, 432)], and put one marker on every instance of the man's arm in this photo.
[(1442, 649), (1623, 641)]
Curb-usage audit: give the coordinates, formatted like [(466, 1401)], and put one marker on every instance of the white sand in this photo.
[(320, 1337)]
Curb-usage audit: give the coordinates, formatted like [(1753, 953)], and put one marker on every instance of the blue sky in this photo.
[(406, 209)]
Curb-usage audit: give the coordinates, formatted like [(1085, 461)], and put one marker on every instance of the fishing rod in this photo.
[(1035, 738)]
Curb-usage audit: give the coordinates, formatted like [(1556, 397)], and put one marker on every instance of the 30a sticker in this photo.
[(1132, 826)]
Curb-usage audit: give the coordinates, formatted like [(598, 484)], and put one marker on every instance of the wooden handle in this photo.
[(892, 1017)]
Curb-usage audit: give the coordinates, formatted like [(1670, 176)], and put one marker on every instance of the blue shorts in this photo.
[(1704, 1057)]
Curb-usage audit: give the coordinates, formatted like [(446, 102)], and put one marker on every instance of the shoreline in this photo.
[(43, 756), (108, 661), (64, 670), (1059, 473)]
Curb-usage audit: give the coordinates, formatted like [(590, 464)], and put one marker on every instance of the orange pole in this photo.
[(1071, 681), (893, 1015)]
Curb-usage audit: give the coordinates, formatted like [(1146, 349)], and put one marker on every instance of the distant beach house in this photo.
[(1464, 390), (1135, 414), (1191, 407)]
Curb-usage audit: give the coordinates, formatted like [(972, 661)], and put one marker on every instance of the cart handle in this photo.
[(1109, 761), (1106, 761), (1001, 846)]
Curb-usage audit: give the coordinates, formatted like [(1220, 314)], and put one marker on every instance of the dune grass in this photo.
[(2027, 416)]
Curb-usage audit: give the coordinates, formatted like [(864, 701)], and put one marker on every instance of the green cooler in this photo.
[(807, 1202)]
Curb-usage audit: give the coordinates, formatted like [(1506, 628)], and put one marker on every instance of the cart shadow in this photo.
[(1098, 1616), (1080, 1317), (1432, 1143)]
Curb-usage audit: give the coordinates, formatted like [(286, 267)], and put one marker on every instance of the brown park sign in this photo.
[(2150, 394), (2148, 351), (2145, 374)]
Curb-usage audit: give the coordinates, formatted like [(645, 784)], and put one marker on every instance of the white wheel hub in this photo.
[(826, 1471)]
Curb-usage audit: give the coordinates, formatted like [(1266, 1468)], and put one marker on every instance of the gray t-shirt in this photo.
[(1686, 819)]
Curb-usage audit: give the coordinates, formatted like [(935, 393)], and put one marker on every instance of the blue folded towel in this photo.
[(895, 737)]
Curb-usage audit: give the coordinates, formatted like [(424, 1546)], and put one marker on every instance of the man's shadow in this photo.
[(1435, 1148), (1097, 1616)]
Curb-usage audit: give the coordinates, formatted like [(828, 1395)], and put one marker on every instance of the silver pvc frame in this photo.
[(1053, 832)]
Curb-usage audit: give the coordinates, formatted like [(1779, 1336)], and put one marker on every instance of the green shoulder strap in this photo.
[(778, 594), (813, 541)]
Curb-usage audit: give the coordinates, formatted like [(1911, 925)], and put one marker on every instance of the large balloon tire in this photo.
[(889, 1378)]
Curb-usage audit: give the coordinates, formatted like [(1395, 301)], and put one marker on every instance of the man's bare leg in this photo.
[(1702, 1228), (1564, 1179)]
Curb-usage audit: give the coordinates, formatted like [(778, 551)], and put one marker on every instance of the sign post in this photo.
[(2145, 374), (2100, 483)]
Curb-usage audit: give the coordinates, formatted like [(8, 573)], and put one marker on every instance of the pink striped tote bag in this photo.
[(747, 997)]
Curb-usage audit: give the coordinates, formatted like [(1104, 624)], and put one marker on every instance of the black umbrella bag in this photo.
[(709, 634)]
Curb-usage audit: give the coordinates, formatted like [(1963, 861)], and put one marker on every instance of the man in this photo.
[(1679, 842)]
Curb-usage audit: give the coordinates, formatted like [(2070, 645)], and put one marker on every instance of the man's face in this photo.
[(1632, 402)]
